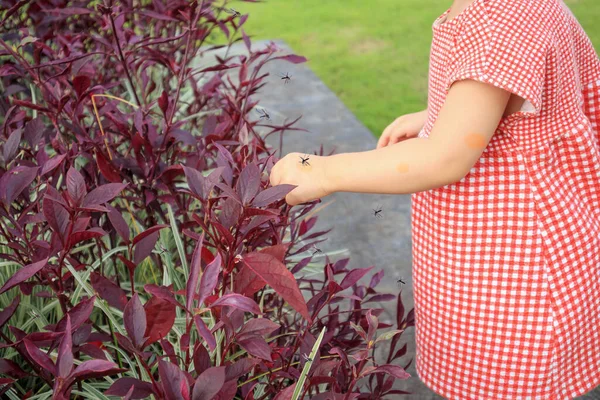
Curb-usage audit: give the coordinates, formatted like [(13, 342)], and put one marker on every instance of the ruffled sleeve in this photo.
[(504, 43)]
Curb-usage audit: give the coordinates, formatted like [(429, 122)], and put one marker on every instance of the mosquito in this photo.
[(162, 249), (307, 358), (377, 212), (401, 281), (317, 250), (232, 11), (305, 160), (287, 78), (264, 114)]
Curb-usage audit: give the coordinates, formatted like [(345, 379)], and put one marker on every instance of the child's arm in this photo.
[(464, 127)]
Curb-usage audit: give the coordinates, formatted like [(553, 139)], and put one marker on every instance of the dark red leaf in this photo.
[(172, 379), (109, 291), (160, 316), (227, 392), (162, 292), (78, 314), (247, 282), (15, 181), (272, 194), (201, 358), (107, 169), (81, 83), (85, 235), (279, 278), (64, 359), (205, 332), (163, 102), (210, 278), (246, 40), (52, 163), (354, 276), (238, 301), (134, 318), (258, 326), (248, 183), (373, 322), (393, 370), (121, 386), (287, 393), (76, 185), (33, 131), (144, 247), (95, 369), (119, 223), (11, 368), (148, 232), (93, 351), (256, 346), (39, 357), (376, 278), (102, 194), (209, 383), (293, 58), (199, 184), (129, 394), (8, 312), (23, 274), (11, 145)]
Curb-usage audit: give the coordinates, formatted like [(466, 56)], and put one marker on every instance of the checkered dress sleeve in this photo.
[(505, 44)]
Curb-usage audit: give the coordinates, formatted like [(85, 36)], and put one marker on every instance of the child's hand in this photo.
[(405, 127), (309, 176)]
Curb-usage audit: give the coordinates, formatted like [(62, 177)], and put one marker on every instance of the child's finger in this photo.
[(382, 141), (397, 138)]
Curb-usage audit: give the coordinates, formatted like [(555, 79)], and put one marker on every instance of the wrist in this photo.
[(328, 183)]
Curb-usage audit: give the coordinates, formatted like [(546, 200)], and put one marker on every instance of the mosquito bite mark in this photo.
[(475, 141), (402, 167)]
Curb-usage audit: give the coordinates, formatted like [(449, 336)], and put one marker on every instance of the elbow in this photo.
[(450, 172)]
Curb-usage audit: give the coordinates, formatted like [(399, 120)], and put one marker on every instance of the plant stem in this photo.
[(122, 59)]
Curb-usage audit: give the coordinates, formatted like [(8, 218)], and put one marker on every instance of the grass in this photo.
[(373, 54)]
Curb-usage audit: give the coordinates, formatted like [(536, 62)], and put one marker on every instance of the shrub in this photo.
[(143, 251)]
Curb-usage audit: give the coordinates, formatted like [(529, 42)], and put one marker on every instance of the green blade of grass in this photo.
[(307, 365), (178, 241)]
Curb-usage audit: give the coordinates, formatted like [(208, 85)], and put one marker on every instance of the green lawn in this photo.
[(373, 54)]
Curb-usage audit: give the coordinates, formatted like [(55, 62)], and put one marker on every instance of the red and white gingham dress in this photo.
[(506, 262)]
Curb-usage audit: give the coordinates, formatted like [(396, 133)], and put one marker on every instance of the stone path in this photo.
[(383, 242)]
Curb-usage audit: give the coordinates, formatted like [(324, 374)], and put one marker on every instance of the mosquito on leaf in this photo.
[(377, 212), (305, 160), (264, 114), (287, 78), (306, 358)]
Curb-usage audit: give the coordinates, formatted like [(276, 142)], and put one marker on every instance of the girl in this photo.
[(504, 172)]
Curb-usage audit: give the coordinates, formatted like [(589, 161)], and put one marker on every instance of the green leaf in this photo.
[(388, 335)]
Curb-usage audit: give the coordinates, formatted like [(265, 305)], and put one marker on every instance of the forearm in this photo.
[(403, 168)]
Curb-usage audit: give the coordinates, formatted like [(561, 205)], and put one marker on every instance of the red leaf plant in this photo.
[(144, 253)]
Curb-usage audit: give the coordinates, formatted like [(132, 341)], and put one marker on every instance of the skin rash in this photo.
[(475, 141), (402, 167)]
